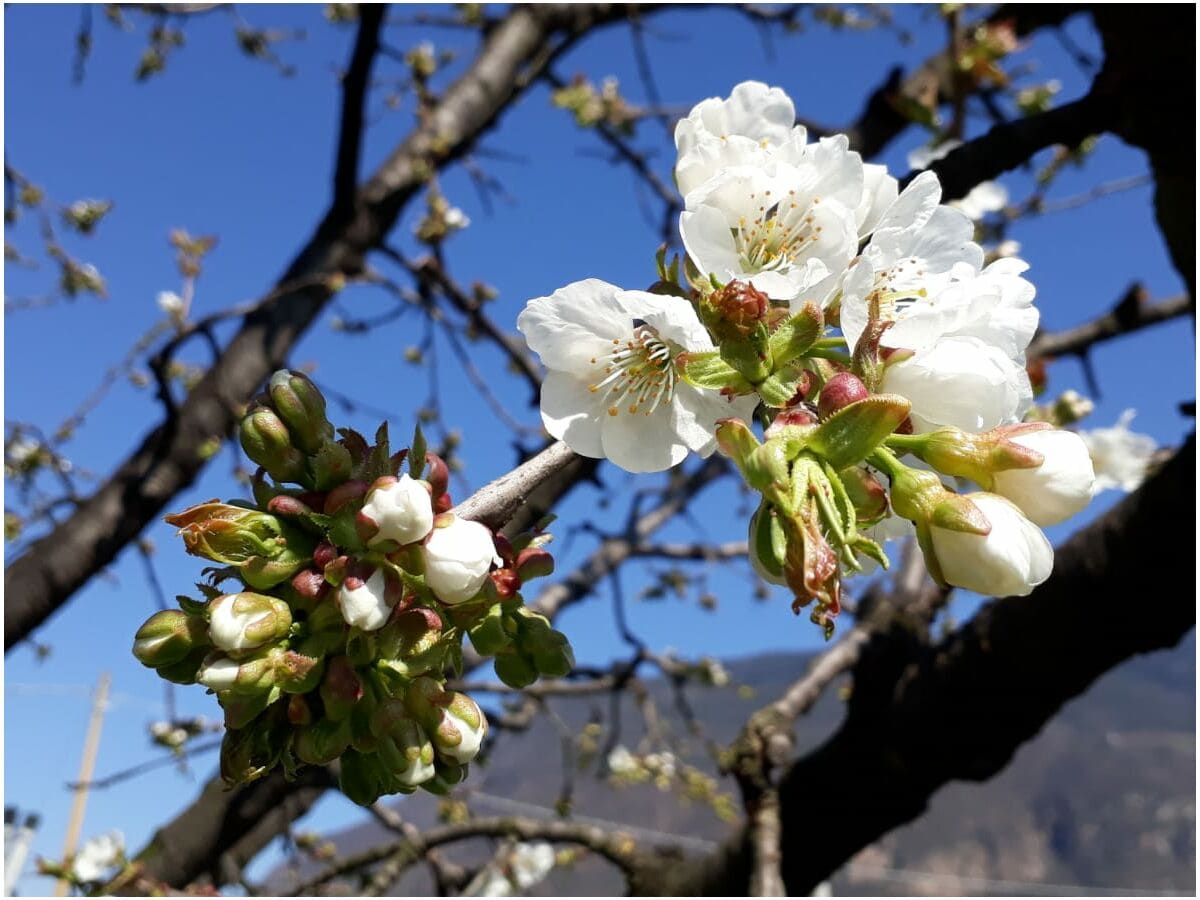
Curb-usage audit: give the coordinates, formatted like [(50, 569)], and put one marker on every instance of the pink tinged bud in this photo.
[(458, 556), (344, 493), (805, 387), (796, 415), (868, 496), (1058, 488), (399, 511), (534, 562), (341, 688), (1010, 560), (367, 604), (288, 506), (298, 710), (443, 503), (245, 621), (310, 584), (840, 391), (324, 554), (437, 473), (505, 582)]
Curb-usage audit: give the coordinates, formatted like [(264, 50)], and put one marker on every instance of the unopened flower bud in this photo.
[(767, 544), (412, 642), (403, 746), (255, 675), (323, 741), (397, 511), (534, 562), (245, 621), (345, 493), (458, 555), (265, 550), (298, 710), (1071, 407), (1058, 488), (737, 308), (186, 670), (367, 604), (1010, 560), (455, 723), (515, 669), (437, 473), (792, 416), (362, 778), (302, 408), (868, 496), (168, 637), (268, 442), (840, 391), (446, 776), (218, 672), (548, 649), (489, 635), (341, 689)]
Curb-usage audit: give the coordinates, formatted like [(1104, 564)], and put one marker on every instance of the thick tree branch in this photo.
[(1124, 319), (921, 716)]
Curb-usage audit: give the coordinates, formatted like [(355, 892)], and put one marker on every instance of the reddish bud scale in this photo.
[(504, 549), (506, 581), (310, 583), (840, 391), (324, 554), (298, 711), (807, 382), (534, 562), (286, 505), (796, 415), (437, 473), (443, 504), (343, 494)]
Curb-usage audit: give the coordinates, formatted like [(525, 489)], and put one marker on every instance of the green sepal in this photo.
[(796, 335), (514, 669), (416, 453), (779, 389), (488, 635), (854, 432), (709, 371)]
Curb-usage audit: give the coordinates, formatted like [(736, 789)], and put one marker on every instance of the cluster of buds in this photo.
[(356, 585), (829, 470)]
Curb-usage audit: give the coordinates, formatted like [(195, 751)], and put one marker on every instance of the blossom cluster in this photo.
[(859, 325), (356, 583)]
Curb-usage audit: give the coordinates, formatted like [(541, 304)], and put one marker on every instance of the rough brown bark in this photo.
[(922, 716)]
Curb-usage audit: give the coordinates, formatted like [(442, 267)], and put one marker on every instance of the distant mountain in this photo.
[(1101, 802)]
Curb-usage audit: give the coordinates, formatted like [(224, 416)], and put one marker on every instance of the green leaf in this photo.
[(416, 454), (852, 433)]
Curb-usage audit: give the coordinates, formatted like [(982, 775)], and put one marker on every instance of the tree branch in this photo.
[(52, 568), (921, 716)]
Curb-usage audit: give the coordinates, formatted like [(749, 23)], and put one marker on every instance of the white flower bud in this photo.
[(218, 672), (460, 730), (364, 604), (401, 511), (171, 303), (245, 621), (458, 557), (1010, 561), (96, 858), (1057, 489)]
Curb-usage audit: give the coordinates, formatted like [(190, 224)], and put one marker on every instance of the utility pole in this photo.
[(91, 744), (17, 840)]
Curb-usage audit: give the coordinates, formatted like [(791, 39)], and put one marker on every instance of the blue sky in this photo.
[(225, 145)]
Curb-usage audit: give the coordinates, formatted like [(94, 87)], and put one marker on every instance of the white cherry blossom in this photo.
[(785, 226), (612, 390), (1121, 457)]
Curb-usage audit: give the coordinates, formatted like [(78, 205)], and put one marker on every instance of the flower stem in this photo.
[(836, 356)]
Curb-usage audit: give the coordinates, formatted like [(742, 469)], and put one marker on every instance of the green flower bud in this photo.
[(362, 778), (322, 742), (268, 442), (403, 747), (242, 709), (548, 649), (168, 637), (514, 669), (446, 776), (488, 635), (302, 407), (186, 670), (341, 689), (455, 723), (411, 644)]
